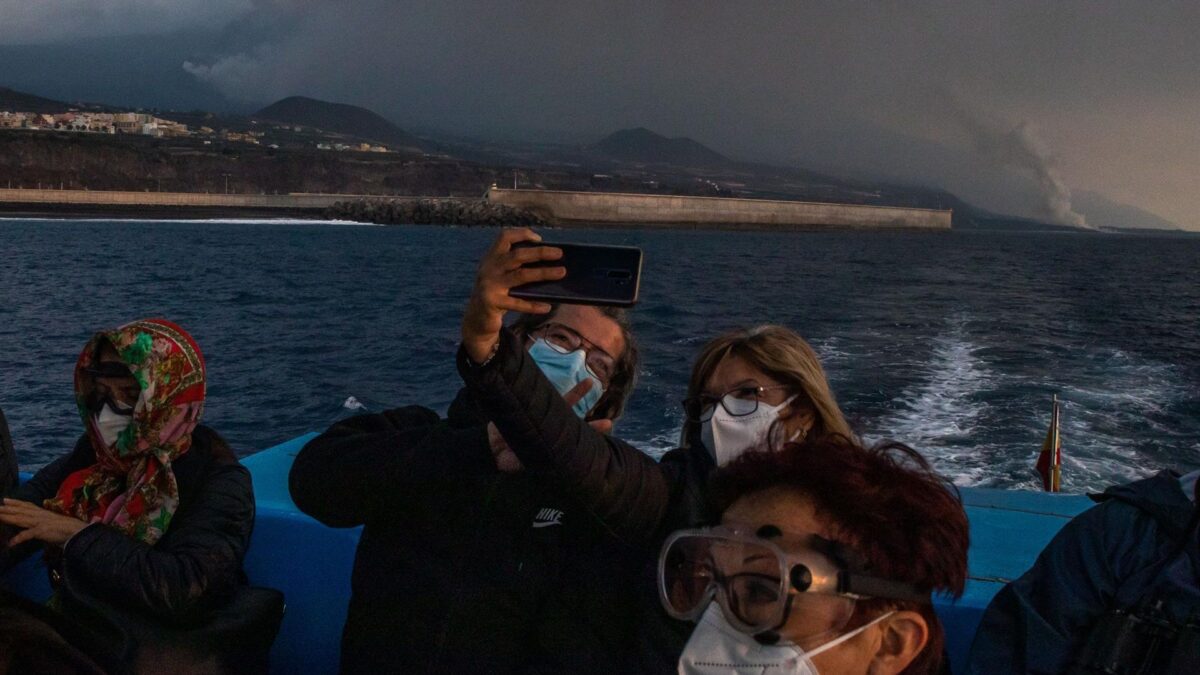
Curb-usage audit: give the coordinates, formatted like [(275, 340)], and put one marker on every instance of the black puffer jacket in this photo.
[(460, 568), (196, 565), (637, 500)]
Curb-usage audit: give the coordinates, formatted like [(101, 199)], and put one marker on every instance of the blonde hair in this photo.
[(785, 356)]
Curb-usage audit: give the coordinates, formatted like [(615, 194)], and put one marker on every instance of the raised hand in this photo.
[(578, 392), (501, 269), (506, 460)]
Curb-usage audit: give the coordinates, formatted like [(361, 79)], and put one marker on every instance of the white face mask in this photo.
[(727, 436), (717, 647), (111, 423)]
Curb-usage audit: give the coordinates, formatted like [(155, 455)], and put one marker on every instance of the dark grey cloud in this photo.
[(58, 21), (1100, 94)]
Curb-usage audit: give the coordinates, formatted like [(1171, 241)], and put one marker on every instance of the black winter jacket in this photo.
[(460, 568), (637, 500), (1110, 556), (196, 565)]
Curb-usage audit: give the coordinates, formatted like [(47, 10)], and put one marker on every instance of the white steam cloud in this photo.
[(767, 85), (1021, 148), (247, 77)]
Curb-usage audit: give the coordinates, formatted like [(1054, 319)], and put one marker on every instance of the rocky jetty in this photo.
[(435, 212)]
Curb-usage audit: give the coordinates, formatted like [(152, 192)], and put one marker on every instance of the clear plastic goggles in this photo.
[(764, 579)]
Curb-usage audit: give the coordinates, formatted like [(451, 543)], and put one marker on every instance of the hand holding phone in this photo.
[(520, 273), (502, 268)]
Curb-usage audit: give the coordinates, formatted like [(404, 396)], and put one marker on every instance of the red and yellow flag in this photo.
[(1049, 463)]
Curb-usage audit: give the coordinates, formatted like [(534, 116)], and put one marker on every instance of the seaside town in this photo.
[(146, 124)]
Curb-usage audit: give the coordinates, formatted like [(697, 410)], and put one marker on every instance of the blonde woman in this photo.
[(748, 387), (747, 380)]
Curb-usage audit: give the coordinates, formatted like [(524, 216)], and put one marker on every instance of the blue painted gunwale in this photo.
[(311, 563)]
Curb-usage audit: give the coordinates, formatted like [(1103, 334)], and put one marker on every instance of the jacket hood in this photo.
[(1160, 496)]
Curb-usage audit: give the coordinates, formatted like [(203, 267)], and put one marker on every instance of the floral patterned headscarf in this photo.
[(131, 486)]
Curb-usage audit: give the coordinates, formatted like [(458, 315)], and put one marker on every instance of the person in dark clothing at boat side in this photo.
[(147, 520), (1115, 574), (745, 386), (461, 568)]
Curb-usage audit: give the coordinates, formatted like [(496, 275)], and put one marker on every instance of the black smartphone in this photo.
[(596, 275)]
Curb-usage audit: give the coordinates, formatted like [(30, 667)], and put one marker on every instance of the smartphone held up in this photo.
[(596, 275)]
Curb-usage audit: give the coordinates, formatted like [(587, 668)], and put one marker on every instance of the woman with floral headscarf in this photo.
[(150, 511)]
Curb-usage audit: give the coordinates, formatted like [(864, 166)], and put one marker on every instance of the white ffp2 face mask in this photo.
[(727, 436), (111, 423), (717, 647)]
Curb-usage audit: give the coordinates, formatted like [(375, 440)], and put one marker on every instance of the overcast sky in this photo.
[(1014, 106)]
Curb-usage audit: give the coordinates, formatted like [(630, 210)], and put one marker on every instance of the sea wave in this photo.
[(940, 415), (954, 344)]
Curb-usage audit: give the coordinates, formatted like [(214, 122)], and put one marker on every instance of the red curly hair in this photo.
[(886, 504)]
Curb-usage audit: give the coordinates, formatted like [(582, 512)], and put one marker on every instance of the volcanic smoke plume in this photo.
[(1021, 148)]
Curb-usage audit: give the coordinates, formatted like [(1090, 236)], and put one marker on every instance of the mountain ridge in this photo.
[(640, 144), (341, 118), (11, 99), (635, 157), (1107, 213)]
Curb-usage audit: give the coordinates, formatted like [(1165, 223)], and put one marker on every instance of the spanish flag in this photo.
[(1049, 463)]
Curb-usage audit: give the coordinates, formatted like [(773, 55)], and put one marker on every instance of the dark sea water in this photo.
[(951, 342)]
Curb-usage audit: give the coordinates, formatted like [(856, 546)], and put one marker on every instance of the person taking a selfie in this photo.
[(462, 567)]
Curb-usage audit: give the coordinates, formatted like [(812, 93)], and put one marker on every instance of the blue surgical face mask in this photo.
[(565, 371)]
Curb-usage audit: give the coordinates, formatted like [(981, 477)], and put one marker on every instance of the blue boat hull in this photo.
[(311, 563)]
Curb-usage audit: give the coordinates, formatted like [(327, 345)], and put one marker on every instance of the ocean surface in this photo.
[(951, 342)]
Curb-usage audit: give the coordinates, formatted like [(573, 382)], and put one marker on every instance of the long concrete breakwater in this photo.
[(602, 208), (549, 206)]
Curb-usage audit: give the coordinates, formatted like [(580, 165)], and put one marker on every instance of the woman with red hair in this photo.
[(151, 511), (824, 560)]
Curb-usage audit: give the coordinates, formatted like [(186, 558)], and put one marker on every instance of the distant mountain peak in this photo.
[(639, 131), (640, 144), (1107, 213), (19, 101), (340, 118)]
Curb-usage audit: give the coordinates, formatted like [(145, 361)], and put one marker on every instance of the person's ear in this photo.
[(902, 636), (798, 416)]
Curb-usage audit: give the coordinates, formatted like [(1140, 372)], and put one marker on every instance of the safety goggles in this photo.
[(762, 578), (107, 369), (108, 385)]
